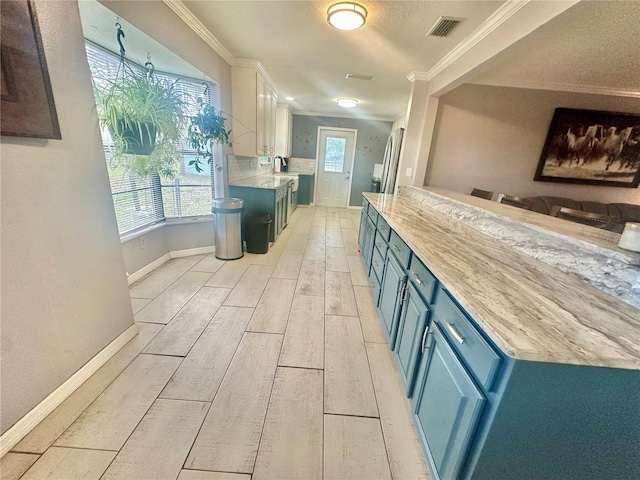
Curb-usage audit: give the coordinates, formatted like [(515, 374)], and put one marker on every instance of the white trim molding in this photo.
[(198, 27), (27, 423), (413, 76), (497, 18), (157, 263), (563, 87)]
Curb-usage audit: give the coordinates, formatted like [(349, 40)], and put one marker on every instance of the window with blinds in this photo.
[(140, 202)]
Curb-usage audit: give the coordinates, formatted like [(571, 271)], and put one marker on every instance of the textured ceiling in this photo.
[(593, 46), (308, 60)]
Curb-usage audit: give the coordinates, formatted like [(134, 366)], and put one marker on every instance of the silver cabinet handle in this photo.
[(395, 247), (451, 327), (378, 245), (375, 264), (417, 278), (424, 337), (382, 227)]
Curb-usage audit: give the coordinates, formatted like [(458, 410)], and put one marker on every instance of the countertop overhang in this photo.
[(269, 181), (530, 309)]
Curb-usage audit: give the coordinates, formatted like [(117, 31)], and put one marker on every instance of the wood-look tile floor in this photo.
[(268, 367)]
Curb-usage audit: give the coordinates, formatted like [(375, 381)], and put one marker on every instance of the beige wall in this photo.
[(160, 23), (64, 290), (171, 237), (492, 138), (166, 28)]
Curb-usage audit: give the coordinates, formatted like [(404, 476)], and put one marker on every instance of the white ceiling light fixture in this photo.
[(347, 102), (346, 15), (289, 99)]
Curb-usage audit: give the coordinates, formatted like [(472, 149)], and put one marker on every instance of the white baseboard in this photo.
[(16, 433), (135, 276), (147, 269)]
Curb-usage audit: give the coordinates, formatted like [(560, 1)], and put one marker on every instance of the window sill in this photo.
[(170, 222)]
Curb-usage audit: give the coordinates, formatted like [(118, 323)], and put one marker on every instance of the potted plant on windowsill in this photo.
[(146, 119), (207, 128)]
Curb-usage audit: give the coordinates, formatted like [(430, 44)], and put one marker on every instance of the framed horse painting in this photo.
[(591, 147)]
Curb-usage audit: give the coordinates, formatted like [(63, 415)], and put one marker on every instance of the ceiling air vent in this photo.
[(355, 76), (443, 26)]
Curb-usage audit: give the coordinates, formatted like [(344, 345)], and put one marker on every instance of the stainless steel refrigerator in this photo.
[(390, 161)]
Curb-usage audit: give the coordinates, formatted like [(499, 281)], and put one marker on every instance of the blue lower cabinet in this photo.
[(390, 297), (447, 409), (363, 228), (411, 335), (370, 231)]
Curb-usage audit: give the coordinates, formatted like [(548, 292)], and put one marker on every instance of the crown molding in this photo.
[(196, 25), (413, 76), (501, 15), (342, 115), (256, 65), (564, 87)]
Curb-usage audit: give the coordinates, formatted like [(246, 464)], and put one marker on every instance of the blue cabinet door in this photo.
[(411, 336), (390, 293), (363, 230), (448, 408), (369, 233)]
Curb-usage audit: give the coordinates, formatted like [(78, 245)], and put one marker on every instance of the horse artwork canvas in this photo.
[(591, 147)]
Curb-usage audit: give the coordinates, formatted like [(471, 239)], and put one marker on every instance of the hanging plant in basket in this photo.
[(145, 116), (207, 128)]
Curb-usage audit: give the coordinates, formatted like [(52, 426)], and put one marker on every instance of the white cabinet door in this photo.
[(263, 103), (283, 131)]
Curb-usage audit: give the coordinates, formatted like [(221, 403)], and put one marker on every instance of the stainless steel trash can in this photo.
[(228, 228)]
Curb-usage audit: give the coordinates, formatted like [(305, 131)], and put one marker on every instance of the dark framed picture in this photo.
[(591, 147), (26, 98)]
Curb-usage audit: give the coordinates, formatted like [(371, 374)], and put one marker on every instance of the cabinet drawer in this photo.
[(373, 213), (400, 249), (476, 353), (365, 204), (377, 263), (422, 278), (381, 245), (383, 228)]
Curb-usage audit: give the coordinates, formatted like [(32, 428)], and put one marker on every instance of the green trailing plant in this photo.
[(207, 129), (146, 118)]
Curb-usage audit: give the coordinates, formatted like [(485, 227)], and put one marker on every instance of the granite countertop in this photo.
[(271, 181), (532, 310)]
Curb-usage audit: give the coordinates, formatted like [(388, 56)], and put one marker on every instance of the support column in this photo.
[(413, 132)]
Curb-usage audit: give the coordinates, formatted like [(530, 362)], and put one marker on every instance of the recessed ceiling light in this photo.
[(346, 15), (289, 99), (347, 102)]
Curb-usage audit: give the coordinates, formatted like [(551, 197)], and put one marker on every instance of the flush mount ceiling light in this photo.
[(347, 102), (346, 15)]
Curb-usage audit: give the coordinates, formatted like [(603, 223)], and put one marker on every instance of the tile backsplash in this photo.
[(302, 165), (245, 167)]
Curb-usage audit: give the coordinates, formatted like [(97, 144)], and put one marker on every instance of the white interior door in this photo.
[(336, 150)]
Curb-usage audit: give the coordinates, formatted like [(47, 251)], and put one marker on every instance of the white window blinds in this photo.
[(140, 202)]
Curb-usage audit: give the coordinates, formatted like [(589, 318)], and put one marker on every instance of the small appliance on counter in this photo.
[(280, 164)]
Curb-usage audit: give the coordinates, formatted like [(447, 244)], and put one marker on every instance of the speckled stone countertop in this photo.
[(264, 181), (532, 310)]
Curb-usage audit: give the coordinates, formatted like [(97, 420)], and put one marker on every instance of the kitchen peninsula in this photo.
[(516, 366), (267, 194)]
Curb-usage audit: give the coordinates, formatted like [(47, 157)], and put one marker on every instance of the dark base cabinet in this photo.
[(480, 414), (305, 188), (267, 200)]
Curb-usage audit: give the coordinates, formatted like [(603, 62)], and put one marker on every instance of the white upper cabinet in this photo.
[(254, 112), (284, 122)]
